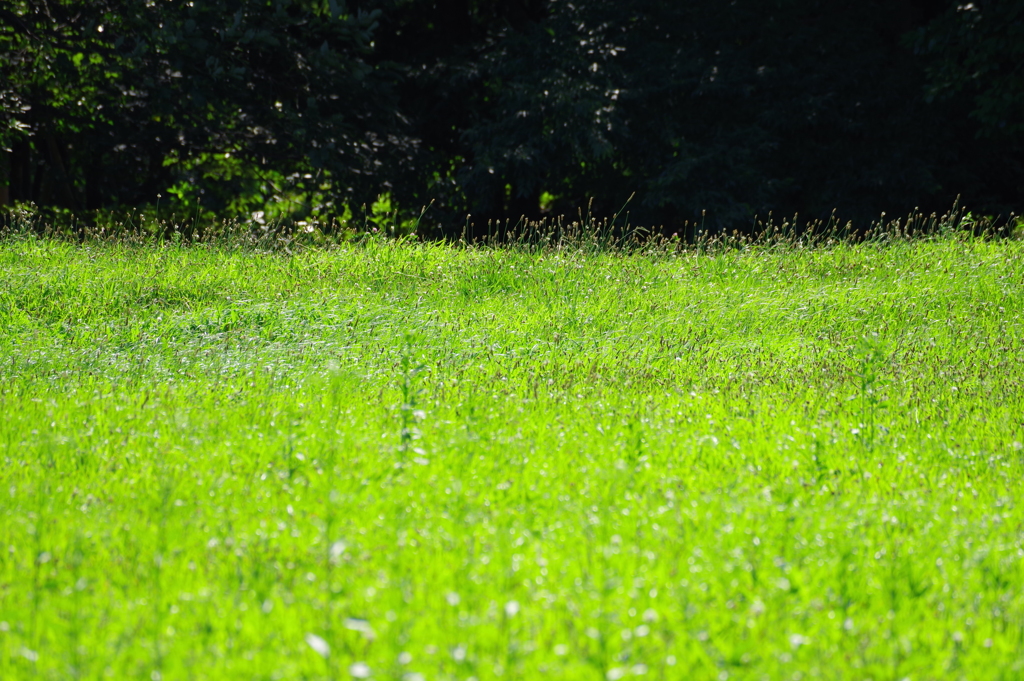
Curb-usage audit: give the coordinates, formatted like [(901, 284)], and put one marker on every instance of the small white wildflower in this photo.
[(359, 670), (318, 644), (362, 626)]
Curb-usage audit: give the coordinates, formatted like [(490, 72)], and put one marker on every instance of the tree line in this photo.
[(707, 111)]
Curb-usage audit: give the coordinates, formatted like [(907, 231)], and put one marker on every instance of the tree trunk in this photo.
[(20, 173), (62, 179), (5, 177)]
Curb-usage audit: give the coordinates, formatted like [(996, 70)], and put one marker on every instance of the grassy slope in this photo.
[(479, 463)]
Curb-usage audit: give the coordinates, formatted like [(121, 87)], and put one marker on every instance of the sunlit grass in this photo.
[(417, 461)]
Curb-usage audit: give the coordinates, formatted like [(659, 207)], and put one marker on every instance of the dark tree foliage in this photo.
[(706, 112), (113, 101), (978, 47), (735, 108), (974, 60)]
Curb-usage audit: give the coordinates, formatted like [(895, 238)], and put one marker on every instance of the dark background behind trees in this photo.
[(312, 108)]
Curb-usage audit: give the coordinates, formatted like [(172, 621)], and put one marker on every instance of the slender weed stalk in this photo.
[(871, 355)]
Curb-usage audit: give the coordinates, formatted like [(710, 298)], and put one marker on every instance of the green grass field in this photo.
[(421, 462)]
